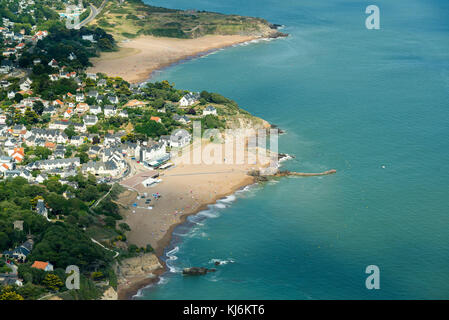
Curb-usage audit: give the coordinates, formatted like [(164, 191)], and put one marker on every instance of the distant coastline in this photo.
[(137, 59)]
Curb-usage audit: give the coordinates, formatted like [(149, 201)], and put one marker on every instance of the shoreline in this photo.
[(185, 190), (128, 292), (137, 60)]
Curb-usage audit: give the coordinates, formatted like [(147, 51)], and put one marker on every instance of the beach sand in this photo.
[(185, 189), (139, 57)]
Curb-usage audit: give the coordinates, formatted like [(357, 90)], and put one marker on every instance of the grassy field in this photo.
[(133, 18)]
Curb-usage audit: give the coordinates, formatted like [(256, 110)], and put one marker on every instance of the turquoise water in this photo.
[(371, 104)]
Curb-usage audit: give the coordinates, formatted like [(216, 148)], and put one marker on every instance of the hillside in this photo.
[(134, 18)]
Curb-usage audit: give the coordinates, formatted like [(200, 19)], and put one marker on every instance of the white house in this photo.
[(41, 208), (56, 163), (90, 120), (100, 168), (123, 113), (95, 110), (189, 99), (110, 111), (53, 63), (178, 139), (113, 99), (153, 153), (209, 110), (88, 37), (182, 119), (79, 97), (25, 84)]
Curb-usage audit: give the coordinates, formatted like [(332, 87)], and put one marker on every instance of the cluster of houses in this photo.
[(106, 157), (77, 111), (17, 255), (14, 43)]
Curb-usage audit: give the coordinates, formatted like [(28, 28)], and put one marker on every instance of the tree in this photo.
[(96, 140), (38, 107), (18, 97), (158, 103), (42, 152), (30, 116), (52, 282), (84, 157), (124, 227), (10, 295), (97, 275), (64, 244), (70, 131), (4, 241)]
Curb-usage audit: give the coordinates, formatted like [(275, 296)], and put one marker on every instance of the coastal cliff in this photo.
[(134, 18), (151, 38), (135, 273)]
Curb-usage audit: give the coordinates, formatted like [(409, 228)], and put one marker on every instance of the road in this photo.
[(93, 13)]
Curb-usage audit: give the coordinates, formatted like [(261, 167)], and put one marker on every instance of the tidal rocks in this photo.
[(278, 34), (197, 271), (275, 26)]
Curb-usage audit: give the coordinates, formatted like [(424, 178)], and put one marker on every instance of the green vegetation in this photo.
[(136, 18)]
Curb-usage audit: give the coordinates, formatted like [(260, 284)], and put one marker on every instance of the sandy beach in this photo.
[(139, 57), (185, 189)]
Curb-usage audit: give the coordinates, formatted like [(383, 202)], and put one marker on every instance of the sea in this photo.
[(372, 104)]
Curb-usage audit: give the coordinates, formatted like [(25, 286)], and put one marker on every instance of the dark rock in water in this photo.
[(280, 131), (257, 176), (197, 271), (217, 263), (278, 34), (275, 26), (282, 156)]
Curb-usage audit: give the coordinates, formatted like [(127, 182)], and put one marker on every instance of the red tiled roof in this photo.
[(39, 265)]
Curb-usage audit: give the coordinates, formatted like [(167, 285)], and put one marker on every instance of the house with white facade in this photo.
[(110, 111), (209, 110), (189, 99), (90, 120)]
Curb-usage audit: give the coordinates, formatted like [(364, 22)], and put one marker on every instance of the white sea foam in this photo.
[(162, 280), (209, 213), (228, 199), (287, 157), (222, 262), (171, 258)]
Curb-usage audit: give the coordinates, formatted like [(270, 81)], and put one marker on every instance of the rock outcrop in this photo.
[(197, 271), (109, 294), (138, 266)]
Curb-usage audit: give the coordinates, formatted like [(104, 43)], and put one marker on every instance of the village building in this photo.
[(209, 110), (189, 99), (46, 266)]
